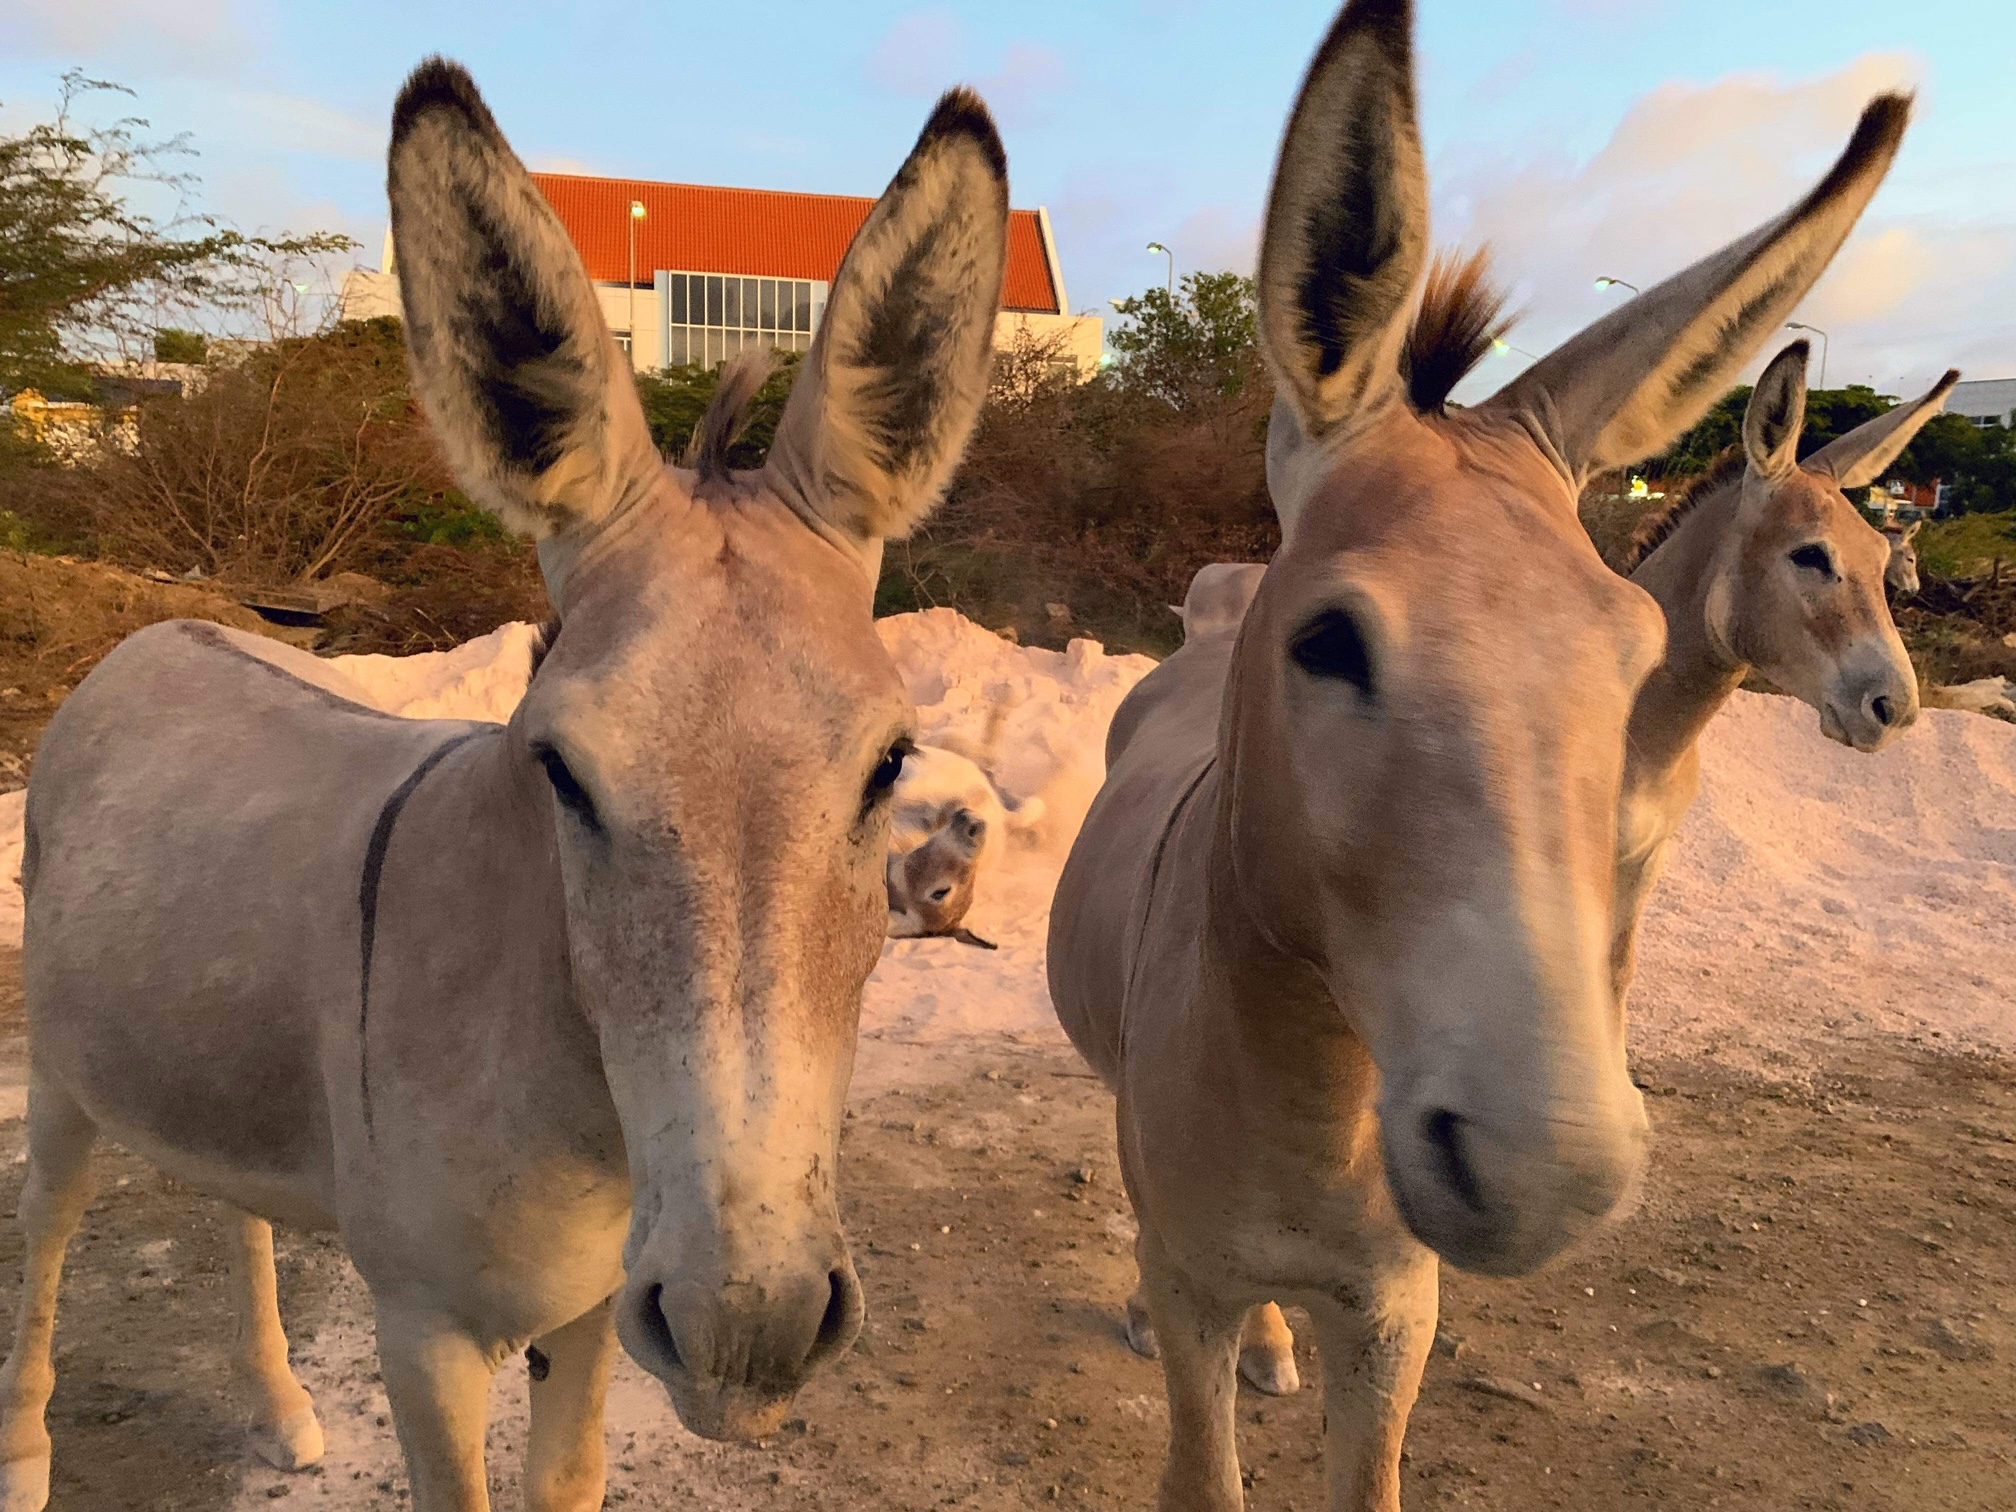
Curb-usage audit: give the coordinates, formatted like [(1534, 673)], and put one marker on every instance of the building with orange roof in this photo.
[(694, 273)]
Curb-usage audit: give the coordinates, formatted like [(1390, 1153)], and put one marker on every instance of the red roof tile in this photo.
[(763, 233)]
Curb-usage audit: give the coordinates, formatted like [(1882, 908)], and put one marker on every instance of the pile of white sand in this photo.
[(1815, 894)]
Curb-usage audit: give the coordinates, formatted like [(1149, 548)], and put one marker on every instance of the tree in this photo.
[(87, 275), (675, 398), (1194, 348)]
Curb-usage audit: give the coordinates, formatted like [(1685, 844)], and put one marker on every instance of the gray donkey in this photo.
[(552, 1020)]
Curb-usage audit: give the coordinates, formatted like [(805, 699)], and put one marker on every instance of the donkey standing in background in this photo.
[(1901, 575), (552, 1020), (1762, 565), (1336, 930)]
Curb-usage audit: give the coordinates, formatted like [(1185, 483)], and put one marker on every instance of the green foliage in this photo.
[(1978, 465), (172, 344), (1967, 546), (675, 398), (1201, 345), (86, 275)]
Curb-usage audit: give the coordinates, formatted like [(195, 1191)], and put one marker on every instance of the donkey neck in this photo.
[(1700, 670)]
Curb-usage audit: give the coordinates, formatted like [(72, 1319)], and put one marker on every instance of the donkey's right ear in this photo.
[(893, 385), (517, 369), (1776, 414), (1346, 233)]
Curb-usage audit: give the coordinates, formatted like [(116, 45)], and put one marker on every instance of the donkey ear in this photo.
[(1640, 376), (1911, 530), (1347, 223), (524, 385), (1776, 414), (1863, 455), (896, 376)]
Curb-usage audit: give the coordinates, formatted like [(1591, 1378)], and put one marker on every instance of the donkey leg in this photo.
[(285, 1432), (565, 1469), (1140, 1328), (1200, 1366), (438, 1380), (1267, 1352), (1373, 1354), (52, 1204)]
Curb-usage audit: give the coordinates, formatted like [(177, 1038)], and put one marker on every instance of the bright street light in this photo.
[(1795, 325), (1502, 347), (1617, 283), (636, 215), (1158, 247)]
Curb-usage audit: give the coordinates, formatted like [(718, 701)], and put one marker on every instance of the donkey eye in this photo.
[(573, 797), (1331, 646), (887, 770), (1814, 559), (940, 894)]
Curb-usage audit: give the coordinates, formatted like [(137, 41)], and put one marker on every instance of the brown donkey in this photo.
[(1762, 565), (1337, 929)]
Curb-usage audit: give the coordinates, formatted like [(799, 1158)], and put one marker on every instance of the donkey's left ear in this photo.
[(525, 386), (1863, 455), (1776, 414), (1911, 531), (896, 376)]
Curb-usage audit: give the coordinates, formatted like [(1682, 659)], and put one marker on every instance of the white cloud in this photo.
[(1691, 167), (202, 35)]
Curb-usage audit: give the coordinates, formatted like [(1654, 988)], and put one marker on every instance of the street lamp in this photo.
[(1158, 247), (1794, 325), (636, 215), (1607, 283), (1502, 347)]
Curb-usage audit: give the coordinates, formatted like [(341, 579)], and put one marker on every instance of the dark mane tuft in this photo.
[(543, 642), (1462, 313), (1653, 530), (727, 414)]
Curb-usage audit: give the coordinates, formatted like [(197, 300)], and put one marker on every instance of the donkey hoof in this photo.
[(1141, 1335), (24, 1484), (294, 1444), (1270, 1369)]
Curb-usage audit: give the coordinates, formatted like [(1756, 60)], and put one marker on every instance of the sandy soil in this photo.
[(1812, 1308)]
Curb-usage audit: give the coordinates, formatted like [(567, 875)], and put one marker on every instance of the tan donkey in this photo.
[(1762, 565), (1337, 929), (552, 1020)]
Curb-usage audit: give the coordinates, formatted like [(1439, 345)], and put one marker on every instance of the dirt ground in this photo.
[(1811, 1309)]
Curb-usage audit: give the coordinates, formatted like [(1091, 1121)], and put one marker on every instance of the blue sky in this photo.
[(1580, 136)]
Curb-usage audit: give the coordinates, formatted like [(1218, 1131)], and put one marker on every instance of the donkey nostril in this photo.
[(1883, 710), (842, 1315), (1444, 1131), (657, 1329)]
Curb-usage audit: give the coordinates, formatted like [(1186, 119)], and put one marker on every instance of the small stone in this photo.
[(1957, 1341), (1786, 1379), (1869, 1434), (1084, 1175), (1451, 1346), (1505, 1391), (274, 1493), (1049, 1422)]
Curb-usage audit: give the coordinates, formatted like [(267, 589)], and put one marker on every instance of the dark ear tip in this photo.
[(1952, 377), (1391, 20), (961, 112), (439, 84), (1883, 121)]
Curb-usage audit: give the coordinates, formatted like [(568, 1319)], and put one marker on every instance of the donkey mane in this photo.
[(728, 414), (1462, 312), (1653, 530)]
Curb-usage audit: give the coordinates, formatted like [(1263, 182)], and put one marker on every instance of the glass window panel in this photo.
[(732, 345), (714, 299), (713, 348), (731, 307), (768, 305), (676, 289), (749, 302), (675, 345), (801, 295), (696, 300)]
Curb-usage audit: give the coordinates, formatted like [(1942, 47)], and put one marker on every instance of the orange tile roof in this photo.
[(764, 233)]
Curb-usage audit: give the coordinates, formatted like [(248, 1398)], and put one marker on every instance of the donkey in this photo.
[(1901, 575), (1336, 929), (1763, 566), (551, 1020)]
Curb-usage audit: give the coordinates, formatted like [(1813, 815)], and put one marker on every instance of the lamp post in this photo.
[(636, 215), (1506, 346), (1795, 325), (1607, 283), (1158, 247)]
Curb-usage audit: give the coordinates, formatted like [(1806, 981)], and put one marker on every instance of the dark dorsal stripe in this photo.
[(367, 902)]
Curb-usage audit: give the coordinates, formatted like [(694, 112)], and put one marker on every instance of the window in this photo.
[(623, 341), (709, 317)]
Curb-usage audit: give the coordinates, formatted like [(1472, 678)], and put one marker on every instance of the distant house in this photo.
[(704, 271), (1985, 401)]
